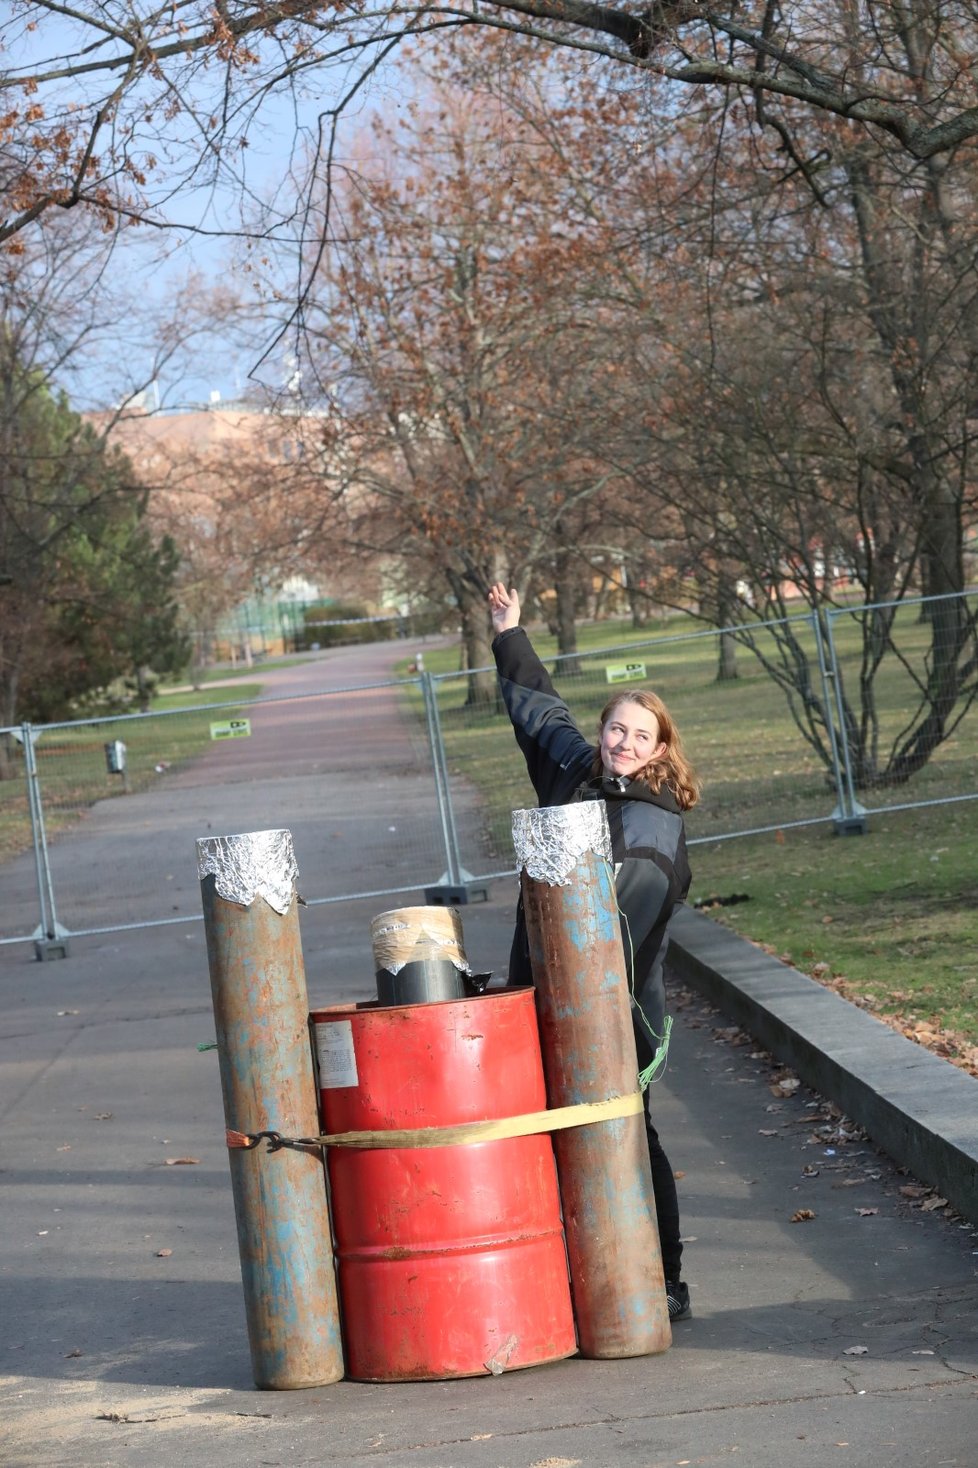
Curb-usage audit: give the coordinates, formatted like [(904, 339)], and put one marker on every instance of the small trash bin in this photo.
[(115, 757)]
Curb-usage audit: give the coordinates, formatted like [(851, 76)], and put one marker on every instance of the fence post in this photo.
[(436, 744), (453, 888), (50, 938), (849, 817)]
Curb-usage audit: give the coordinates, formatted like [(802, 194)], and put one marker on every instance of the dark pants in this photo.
[(666, 1205)]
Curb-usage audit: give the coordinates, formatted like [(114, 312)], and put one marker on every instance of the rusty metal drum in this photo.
[(451, 1259)]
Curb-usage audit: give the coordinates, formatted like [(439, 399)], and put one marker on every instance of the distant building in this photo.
[(240, 487)]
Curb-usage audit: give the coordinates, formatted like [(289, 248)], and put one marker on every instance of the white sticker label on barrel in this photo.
[(337, 1058)]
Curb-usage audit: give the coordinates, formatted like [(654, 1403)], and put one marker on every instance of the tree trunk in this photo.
[(726, 658), (638, 605), (566, 588), (8, 757), (949, 628), (476, 640), (726, 642), (144, 689)]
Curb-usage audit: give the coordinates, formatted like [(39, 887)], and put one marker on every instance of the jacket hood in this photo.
[(617, 787)]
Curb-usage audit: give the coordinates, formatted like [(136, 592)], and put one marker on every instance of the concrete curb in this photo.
[(918, 1108)]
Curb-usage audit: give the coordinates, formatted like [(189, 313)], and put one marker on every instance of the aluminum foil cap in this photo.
[(551, 841), (257, 864)]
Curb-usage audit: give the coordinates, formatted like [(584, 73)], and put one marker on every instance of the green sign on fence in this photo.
[(231, 729), (624, 672)]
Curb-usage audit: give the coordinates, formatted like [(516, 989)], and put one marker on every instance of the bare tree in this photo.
[(117, 106), (814, 434), (793, 357), (458, 372)]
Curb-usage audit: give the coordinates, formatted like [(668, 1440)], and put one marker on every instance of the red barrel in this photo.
[(451, 1259)]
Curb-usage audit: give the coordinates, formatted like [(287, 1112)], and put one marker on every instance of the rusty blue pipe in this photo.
[(261, 1012), (588, 1046)]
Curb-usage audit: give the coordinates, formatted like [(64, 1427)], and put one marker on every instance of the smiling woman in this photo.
[(629, 736), (639, 740), (640, 771)]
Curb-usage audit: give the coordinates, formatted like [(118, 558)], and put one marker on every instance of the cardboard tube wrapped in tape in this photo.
[(419, 956)]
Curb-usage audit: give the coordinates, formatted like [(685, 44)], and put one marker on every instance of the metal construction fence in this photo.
[(807, 727)]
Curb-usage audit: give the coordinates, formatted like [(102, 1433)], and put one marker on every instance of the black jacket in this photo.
[(648, 839)]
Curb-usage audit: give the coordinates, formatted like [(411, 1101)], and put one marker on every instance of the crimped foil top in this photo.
[(256, 864), (551, 841)]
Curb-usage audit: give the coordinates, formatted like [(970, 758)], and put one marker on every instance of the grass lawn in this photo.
[(72, 767), (889, 919)]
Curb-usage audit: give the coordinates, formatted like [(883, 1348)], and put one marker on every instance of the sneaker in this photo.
[(677, 1298)]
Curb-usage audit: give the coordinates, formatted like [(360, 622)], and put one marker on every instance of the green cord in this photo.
[(652, 1072)]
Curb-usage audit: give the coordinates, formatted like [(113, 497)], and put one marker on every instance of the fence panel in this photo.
[(887, 704), (121, 844), (441, 752)]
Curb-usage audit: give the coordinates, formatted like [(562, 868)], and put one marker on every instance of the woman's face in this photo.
[(630, 739)]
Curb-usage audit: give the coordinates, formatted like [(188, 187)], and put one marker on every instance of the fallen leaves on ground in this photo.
[(802, 1215), (923, 1197), (930, 1034)]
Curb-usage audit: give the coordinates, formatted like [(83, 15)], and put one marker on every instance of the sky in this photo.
[(205, 225)]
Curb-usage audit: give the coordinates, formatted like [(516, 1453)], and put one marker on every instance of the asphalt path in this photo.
[(308, 730), (846, 1337), (346, 772)]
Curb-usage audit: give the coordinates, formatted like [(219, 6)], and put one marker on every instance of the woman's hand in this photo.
[(504, 607)]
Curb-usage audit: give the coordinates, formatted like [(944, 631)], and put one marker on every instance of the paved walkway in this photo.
[(848, 1337)]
